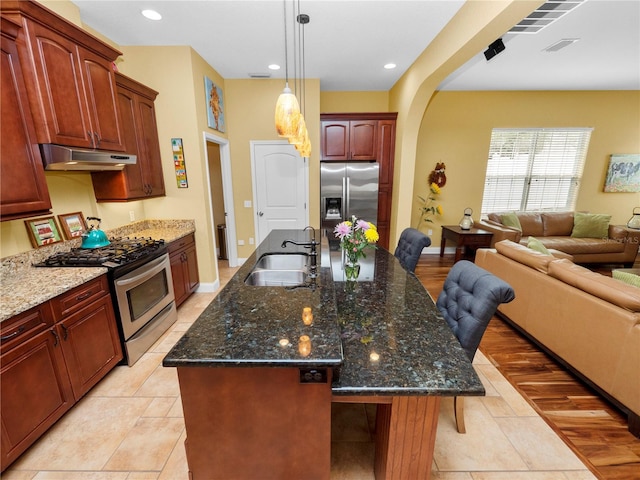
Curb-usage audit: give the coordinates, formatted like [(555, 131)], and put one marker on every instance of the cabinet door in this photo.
[(362, 140), (91, 344), (386, 149), (23, 185), (335, 140), (35, 392), (191, 262), (178, 276), (100, 87), (62, 116), (148, 134)]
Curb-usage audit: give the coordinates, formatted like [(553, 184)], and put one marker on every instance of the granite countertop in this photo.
[(382, 335), (23, 286)]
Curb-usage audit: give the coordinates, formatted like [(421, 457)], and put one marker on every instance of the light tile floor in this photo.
[(130, 427)]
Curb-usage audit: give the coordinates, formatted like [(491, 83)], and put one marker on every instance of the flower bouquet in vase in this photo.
[(355, 235)]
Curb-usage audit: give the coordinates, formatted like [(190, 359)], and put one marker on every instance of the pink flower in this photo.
[(362, 225), (342, 229)]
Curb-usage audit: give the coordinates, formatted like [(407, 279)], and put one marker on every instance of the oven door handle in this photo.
[(150, 269)]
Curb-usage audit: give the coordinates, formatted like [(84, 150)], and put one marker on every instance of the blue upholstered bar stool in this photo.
[(410, 247), (469, 298)]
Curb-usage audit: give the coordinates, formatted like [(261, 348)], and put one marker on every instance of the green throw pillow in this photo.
[(590, 225), (626, 277), (511, 220), (534, 244)]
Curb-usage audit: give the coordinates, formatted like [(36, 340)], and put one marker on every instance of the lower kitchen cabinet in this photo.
[(184, 267), (50, 356)]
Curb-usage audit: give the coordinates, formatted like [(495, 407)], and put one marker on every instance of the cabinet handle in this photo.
[(12, 335), (84, 296), (93, 143), (65, 332), (56, 338), (97, 144)]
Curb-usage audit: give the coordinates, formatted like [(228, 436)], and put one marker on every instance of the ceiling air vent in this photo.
[(545, 15), (560, 44), (260, 75)]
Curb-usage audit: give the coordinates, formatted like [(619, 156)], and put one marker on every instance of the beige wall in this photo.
[(457, 128), (251, 107), (348, 102)]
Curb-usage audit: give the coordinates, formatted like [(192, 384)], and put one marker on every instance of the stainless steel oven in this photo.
[(141, 287), (146, 306)]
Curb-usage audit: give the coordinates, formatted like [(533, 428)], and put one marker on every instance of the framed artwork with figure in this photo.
[(215, 105), (623, 174)]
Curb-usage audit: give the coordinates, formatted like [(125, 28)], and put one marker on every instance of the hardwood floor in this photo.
[(588, 424)]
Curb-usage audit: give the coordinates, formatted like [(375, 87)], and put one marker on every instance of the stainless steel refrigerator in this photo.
[(346, 189)]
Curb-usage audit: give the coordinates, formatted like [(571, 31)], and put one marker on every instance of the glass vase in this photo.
[(351, 271)]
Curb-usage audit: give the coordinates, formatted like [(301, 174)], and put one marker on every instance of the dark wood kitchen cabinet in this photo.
[(22, 183), (50, 356), (364, 136), (349, 139), (184, 267), (145, 178), (69, 77)]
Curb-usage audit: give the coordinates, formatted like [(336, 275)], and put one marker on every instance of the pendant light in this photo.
[(287, 116), (301, 139)]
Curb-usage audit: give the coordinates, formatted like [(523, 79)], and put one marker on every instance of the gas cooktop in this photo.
[(120, 252)]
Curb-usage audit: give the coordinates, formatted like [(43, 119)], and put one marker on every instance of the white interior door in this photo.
[(280, 177)]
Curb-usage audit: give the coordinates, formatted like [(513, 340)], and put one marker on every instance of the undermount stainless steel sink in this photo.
[(282, 262), (276, 278), (279, 270)]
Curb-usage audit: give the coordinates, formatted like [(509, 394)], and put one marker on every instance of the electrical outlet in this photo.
[(429, 232), (132, 215), (241, 242), (250, 240)]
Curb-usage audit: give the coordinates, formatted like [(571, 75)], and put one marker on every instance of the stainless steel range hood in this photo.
[(57, 157)]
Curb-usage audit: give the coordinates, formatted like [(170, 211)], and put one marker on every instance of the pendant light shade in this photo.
[(287, 115), (301, 131)]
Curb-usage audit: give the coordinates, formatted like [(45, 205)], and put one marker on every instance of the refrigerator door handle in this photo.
[(348, 199)]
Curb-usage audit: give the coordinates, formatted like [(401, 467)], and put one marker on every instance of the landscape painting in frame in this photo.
[(215, 105), (623, 174)]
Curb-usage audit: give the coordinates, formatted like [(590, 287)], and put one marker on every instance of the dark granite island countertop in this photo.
[(380, 340), (248, 325)]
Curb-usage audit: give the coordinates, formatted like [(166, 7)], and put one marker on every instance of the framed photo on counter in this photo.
[(43, 231), (73, 225)]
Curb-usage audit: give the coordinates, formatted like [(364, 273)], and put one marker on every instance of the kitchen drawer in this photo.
[(181, 243), (24, 326), (73, 300)]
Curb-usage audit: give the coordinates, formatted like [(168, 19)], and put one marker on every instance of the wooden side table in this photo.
[(473, 238)]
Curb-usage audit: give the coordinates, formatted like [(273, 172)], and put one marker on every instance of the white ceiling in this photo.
[(347, 42)]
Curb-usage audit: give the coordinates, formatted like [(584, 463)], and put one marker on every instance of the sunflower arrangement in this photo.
[(429, 208)]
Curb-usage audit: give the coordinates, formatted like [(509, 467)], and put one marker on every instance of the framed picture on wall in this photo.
[(73, 225), (215, 105), (43, 231), (623, 174)]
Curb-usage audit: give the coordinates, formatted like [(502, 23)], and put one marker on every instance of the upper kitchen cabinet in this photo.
[(23, 184), (364, 136), (69, 78), (145, 178), (349, 139)]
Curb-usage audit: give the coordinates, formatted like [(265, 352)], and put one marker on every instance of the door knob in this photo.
[(260, 214)]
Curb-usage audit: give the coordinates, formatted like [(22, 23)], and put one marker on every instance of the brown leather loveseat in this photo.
[(554, 230)]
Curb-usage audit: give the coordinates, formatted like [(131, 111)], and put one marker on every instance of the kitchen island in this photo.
[(257, 401)]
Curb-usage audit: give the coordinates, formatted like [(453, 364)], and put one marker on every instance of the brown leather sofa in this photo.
[(589, 321), (554, 229)]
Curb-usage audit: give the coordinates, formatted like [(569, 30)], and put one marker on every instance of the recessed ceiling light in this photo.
[(151, 14), (273, 66), (390, 66)]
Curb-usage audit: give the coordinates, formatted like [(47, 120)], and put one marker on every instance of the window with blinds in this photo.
[(534, 169)]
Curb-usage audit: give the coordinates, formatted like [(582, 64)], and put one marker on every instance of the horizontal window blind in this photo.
[(534, 169)]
